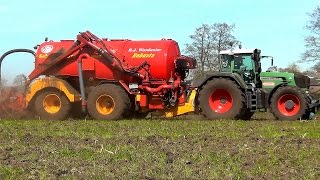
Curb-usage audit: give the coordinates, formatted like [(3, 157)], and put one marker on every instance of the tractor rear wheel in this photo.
[(52, 105), (108, 102), (288, 103), (220, 99)]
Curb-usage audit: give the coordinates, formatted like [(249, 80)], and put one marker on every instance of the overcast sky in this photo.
[(275, 26)]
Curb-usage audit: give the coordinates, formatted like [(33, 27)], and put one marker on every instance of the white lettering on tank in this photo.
[(149, 50), (132, 50), (144, 50)]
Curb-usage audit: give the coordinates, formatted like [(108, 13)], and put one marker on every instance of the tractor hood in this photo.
[(286, 75), (272, 79)]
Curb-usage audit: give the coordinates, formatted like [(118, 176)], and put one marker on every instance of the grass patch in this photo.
[(160, 149)]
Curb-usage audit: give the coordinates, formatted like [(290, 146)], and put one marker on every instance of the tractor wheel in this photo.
[(52, 105), (108, 102), (288, 103), (220, 99)]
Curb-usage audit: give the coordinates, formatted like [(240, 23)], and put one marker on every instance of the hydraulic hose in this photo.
[(14, 51), (81, 81)]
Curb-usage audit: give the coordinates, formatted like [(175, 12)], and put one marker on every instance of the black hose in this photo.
[(14, 51), (82, 91)]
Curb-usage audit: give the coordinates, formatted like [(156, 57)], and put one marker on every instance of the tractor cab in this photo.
[(245, 62)]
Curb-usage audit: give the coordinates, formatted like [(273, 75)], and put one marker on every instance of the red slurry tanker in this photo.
[(112, 79), (115, 79)]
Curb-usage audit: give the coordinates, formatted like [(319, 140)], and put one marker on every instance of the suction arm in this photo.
[(14, 51)]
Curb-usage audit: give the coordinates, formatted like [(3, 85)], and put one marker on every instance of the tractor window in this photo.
[(247, 62), (238, 61), (226, 62)]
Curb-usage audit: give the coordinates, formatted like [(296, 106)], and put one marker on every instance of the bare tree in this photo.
[(316, 67), (19, 80), (206, 43), (312, 42), (292, 68)]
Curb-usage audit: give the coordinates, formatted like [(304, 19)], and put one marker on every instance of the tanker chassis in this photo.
[(116, 79)]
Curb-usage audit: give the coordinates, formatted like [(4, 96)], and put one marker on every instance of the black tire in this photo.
[(52, 104), (309, 115), (140, 115), (114, 96), (133, 113), (221, 87), (286, 93), (245, 114)]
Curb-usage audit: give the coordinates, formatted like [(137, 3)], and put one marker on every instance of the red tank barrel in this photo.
[(159, 54)]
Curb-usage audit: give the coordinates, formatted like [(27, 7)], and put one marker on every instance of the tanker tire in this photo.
[(121, 102), (291, 91), (63, 112), (224, 84)]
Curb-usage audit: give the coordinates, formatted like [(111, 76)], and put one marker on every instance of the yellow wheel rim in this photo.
[(105, 104), (52, 103)]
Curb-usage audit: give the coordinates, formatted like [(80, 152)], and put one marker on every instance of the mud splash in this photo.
[(12, 103)]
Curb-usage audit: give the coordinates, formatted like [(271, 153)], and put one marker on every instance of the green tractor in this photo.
[(240, 88)]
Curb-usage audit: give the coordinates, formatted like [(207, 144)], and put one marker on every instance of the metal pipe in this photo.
[(154, 90), (174, 85), (14, 51), (83, 94)]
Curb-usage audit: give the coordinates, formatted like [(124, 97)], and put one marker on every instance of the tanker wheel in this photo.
[(288, 103), (221, 99), (108, 102), (52, 105)]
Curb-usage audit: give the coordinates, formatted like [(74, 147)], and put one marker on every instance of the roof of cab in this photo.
[(237, 51)]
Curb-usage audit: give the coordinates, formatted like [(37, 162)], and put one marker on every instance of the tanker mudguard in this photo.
[(51, 82), (233, 76)]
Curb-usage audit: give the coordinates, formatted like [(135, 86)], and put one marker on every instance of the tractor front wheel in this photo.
[(52, 105), (108, 102), (288, 103), (221, 99)]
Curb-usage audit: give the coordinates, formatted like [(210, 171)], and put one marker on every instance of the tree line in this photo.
[(209, 39)]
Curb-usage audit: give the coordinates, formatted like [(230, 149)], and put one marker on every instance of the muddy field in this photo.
[(159, 149)]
